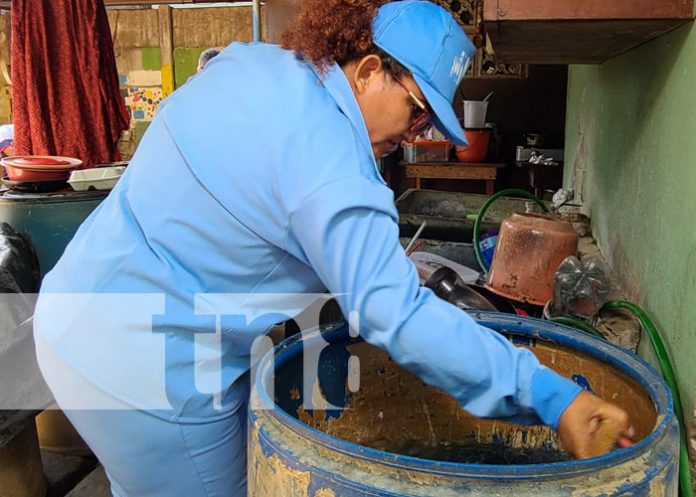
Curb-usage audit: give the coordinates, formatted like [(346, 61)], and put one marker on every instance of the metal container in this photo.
[(523, 154), (395, 436), (530, 248), (451, 215), (459, 252)]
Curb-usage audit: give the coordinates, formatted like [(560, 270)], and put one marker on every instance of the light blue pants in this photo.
[(145, 456)]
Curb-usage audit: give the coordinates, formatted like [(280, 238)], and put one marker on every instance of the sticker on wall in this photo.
[(143, 102)]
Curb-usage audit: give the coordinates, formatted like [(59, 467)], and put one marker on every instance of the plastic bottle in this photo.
[(487, 245), (579, 289)]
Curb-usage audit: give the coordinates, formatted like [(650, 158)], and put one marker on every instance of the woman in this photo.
[(258, 180)]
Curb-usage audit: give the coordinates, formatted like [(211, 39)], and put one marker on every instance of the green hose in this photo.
[(576, 323), (685, 486), (484, 209)]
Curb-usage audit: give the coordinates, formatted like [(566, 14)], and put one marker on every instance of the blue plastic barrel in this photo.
[(49, 220), (383, 432)]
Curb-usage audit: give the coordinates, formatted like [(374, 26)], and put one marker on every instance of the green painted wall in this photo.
[(152, 58), (631, 156), (185, 63)]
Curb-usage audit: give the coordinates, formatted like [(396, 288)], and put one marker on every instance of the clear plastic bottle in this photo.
[(579, 289)]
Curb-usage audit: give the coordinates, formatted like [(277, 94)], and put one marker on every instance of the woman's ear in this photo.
[(368, 70)]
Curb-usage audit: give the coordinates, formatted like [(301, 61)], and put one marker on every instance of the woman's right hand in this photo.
[(590, 427)]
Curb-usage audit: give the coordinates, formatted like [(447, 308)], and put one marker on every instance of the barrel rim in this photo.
[(639, 371)]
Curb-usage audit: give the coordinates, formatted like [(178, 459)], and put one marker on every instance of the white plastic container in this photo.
[(427, 151), (98, 178), (475, 113)]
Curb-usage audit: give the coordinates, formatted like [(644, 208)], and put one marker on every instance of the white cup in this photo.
[(475, 113)]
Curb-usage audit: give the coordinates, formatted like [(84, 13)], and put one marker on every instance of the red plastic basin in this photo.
[(39, 168)]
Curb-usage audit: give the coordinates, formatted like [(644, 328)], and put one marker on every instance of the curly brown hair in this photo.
[(337, 31)]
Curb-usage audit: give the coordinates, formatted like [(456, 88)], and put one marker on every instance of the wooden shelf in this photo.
[(454, 163), (487, 172), (577, 32)]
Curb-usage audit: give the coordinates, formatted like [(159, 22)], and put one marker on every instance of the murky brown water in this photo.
[(486, 454)]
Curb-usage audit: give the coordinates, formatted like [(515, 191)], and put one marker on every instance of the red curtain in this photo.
[(65, 93)]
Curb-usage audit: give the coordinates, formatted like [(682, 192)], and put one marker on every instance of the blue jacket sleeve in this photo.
[(347, 232)]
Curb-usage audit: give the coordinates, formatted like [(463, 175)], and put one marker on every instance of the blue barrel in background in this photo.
[(49, 219), (383, 432)]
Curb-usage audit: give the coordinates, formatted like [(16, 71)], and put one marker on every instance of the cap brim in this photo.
[(445, 120)]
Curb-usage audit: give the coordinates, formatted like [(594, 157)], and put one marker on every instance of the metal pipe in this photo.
[(256, 19)]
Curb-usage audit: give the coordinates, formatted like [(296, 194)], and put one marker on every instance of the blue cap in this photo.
[(426, 39)]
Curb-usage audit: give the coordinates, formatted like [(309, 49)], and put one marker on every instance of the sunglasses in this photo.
[(420, 115)]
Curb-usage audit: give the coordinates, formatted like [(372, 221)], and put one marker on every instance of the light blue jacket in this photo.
[(258, 177)]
